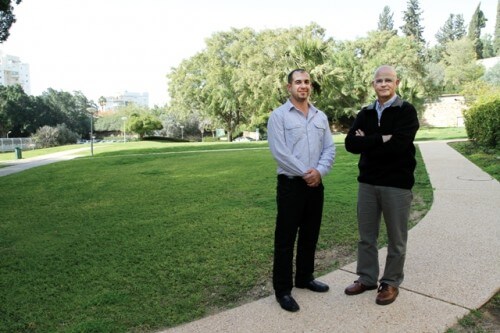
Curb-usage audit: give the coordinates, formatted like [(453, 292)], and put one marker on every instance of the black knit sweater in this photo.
[(391, 163)]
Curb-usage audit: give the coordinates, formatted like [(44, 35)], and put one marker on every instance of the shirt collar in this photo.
[(290, 107), (386, 104)]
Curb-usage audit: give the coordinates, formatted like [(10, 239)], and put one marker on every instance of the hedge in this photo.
[(482, 123)]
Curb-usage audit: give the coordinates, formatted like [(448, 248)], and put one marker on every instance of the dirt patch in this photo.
[(326, 261)]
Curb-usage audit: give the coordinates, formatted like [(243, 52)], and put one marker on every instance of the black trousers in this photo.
[(300, 209)]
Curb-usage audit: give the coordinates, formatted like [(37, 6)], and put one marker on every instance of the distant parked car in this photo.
[(243, 139)]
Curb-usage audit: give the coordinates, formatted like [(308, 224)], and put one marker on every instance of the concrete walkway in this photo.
[(14, 166), (452, 267)]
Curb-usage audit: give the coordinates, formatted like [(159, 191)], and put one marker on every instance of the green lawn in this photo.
[(145, 236)]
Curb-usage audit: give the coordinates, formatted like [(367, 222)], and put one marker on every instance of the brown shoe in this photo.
[(386, 294), (357, 288)]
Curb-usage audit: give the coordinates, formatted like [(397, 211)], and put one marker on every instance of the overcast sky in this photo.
[(101, 47)]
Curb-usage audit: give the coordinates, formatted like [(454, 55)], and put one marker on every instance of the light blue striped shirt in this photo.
[(381, 107), (297, 143)]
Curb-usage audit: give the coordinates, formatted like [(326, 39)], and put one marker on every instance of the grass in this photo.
[(154, 235), (488, 159)]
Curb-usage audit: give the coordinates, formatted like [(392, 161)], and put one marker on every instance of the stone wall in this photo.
[(445, 112)]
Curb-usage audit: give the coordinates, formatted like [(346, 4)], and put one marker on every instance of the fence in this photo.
[(10, 144)]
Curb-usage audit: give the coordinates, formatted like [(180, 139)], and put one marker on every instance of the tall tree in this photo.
[(477, 22), (453, 29), (412, 26), (385, 20), (496, 42), (15, 111), (7, 17)]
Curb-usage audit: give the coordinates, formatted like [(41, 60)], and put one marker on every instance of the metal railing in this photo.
[(10, 144)]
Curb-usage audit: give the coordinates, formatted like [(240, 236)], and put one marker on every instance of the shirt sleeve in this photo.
[(327, 157), (277, 144)]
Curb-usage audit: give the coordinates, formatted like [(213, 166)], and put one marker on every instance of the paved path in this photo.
[(452, 267), (14, 166)]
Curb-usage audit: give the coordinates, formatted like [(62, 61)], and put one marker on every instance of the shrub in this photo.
[(47, 136), (482, 123)]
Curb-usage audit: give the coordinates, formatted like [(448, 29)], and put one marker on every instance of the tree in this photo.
[(412, 27), (241, 75), (496, 43), (15, 111), (453, 29), (102, 102), (477, 22), (385, 20), (143, 124), (66, 108), (488, 50), (460, 65), (7, 18)]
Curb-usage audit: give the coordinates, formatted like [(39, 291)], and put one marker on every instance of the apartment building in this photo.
[(124, 98), (13, 71)]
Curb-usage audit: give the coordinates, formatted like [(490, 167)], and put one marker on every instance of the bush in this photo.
[(47, 136), (482, 123)]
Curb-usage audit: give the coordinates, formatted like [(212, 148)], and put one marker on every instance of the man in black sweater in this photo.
[(383, 134)]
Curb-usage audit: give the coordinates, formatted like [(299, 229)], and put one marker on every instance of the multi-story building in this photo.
[(124, 98), (13, 71)]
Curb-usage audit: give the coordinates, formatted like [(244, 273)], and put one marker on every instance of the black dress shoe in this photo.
[(314, 285), (287, 303)]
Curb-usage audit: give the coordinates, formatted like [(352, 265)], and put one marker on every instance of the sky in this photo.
[(103, 47)]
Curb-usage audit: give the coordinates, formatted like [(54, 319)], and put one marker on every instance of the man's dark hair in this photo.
[(290, 76)]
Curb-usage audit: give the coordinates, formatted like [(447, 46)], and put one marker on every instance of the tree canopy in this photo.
[(240, 76), (7, 17)]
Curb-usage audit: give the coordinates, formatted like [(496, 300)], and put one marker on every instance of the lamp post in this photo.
[(8, 134), (124, 137), (91, 111), (182, 132)]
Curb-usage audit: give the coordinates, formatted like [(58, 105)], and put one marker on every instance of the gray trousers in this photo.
[(394, 203)]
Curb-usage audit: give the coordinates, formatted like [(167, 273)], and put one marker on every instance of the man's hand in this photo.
[(385, 138), (312, 177)]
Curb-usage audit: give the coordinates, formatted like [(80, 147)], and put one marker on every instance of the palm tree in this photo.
[(102, 102)]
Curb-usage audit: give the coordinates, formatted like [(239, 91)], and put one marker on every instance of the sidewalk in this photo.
[(452, 267), (28, 163)]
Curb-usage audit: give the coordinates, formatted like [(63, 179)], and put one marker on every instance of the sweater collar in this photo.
[(397, 102)]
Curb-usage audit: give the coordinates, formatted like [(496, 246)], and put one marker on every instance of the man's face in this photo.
[(385, 84), (300, 88)]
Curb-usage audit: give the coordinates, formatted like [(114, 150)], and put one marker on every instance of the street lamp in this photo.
[(182, 132), (91, 111), (8, 134), (124, 138)]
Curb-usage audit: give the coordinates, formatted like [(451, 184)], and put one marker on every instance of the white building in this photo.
[(489, 62), (13, 71), (124, 98)]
